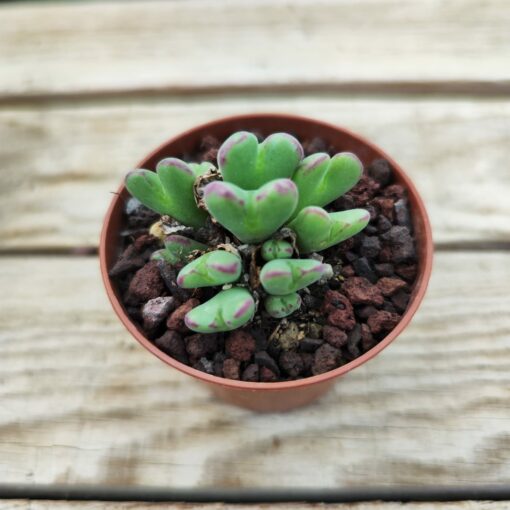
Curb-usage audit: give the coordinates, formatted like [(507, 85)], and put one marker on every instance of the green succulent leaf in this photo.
[(177, 248), (284, 276), (251, 215), (276, 249), (146, 187), (282, 306), (214, 268), (248, 164), (163, 255), (229, 309), (316, 229), (169, 190), (321, 179), (177, 178), (201, 168)]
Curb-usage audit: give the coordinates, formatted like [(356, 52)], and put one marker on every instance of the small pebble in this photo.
[(171, 343), (361, 292), (176, 319), (291, 363), (263, 359), (251, 373), (326, 358), (231, 369), (240, 345)]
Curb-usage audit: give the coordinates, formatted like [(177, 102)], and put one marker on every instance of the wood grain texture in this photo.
[(82, 403), (109, 505), (61, 163), (85, 47)]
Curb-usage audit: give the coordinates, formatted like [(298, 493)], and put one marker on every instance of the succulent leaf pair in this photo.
[(264, 186)]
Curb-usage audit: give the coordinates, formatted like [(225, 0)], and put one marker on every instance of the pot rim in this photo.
[(423, 277)]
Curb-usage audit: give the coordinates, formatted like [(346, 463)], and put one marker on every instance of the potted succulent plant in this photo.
[(256, 255)]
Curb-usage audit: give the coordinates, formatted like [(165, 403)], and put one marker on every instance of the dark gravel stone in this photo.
[(370, 247), (407, 271), (339, 310), (382, 321), (389, 286), (240, 345), (389, 307), (129, 261), (310, 301), (169, 275), (171, 343), (401, 242), (231, 369), (365, 189), (261, 341), (307, 358), (361, 292), (199, 345), (367, 339), (353, 340), (380, 171), (134, 312), (402, 214), (351, 256), (291, 363), (335, 336), (145, 241), (273, 349), (251, 373), (395, 191), (156, 310), (267, 375), (400, 300), (364, 312), (176, 319), (363, 268), (218, 359), (384, 269), (310, 344), (326, 358), (348, 271), (263, 359), (145, 285), (383, 224), (370, 230), (385, 254), (385, 206), (345, 203)]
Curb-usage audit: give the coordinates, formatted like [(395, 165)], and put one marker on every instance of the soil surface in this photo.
[(374, 274)]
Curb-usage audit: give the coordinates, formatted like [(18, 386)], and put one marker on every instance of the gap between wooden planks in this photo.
[(183, 45), (101, 505), (61, 164), (82, 403)]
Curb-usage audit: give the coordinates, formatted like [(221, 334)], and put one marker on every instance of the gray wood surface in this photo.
[(62, 162), (101, 505), (82, 403), (161, 45), (88, 88)]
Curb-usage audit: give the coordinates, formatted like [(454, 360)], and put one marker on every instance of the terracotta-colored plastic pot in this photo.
[(280, 396)]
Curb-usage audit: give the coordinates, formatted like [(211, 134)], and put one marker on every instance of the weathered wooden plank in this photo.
[(109, 505), (119, 45), (82, 403), (59, 164)]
